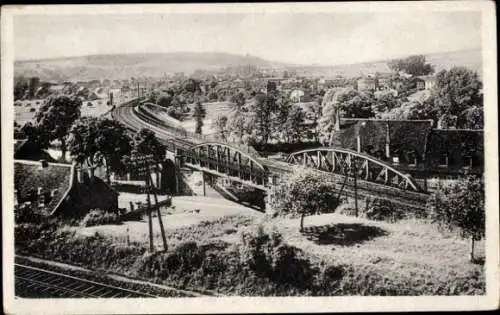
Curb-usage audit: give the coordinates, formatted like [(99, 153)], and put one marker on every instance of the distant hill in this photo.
[(124, 66), (471, 59)]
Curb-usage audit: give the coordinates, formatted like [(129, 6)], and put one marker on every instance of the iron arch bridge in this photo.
[(349, 163), (372, 177), (221, 159)]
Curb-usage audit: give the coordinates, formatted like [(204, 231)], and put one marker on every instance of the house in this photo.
[(66, 190), (384, 81), (296, 95), (57, 89), (367, 83), (422, 149), (454, 150), (418, 83), (429, 81)]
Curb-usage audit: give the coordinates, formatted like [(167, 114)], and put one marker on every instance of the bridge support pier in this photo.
[(203, 183)]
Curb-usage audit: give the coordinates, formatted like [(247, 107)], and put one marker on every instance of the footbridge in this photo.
[(357, 173)]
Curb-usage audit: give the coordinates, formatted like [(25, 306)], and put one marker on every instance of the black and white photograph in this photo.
[(245, 157)]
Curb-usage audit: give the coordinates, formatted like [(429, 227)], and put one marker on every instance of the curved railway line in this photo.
[(173, 138)]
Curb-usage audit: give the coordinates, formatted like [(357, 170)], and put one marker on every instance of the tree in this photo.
[(164, 100), (460, 206), (313, 114), (146, 143), (354, 104), (92, 137), (199, 114), (343, 102), (56, 116), (32, 134), (456, 91), (385, 102), (192, 85), (238, 102), (414, 65), (304, 192), (293, 128), (221, 127), (263, 106), (34, 83), (20, 87), (425, 109)]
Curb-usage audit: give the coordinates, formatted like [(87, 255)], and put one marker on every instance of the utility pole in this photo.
[(162, 229), (355, 189), (150, 219)]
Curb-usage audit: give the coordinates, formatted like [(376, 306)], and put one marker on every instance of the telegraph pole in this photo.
[(355, 189), (150, 219), (162, 229)]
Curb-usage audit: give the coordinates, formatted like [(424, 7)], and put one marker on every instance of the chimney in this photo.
[(80, 172), (44, 163)]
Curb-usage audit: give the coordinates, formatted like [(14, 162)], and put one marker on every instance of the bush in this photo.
[(265, 253), (100, 217), (26, 213), (383, 210)]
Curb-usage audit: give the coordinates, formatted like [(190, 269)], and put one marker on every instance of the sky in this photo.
[(302, 38)]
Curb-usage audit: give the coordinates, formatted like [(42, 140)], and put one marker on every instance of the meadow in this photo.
[(218, 249)]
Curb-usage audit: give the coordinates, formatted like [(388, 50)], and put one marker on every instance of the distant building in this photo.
[(429, 81), (367, 83), (57, 89), (418, 83), (384, 81), (297, 95), (61, 189)]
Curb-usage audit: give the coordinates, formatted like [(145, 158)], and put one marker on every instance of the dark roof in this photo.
[(29, 175), (404, 135)]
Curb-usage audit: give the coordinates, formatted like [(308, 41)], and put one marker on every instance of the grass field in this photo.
[(214, 110), (411, 255), (24, 114), (183, 221), (343, 255)]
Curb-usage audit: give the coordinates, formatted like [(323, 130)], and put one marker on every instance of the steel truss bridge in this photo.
[(357, 173)]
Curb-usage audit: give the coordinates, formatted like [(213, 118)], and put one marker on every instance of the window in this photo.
[(468, 160), (443, 160), (412, 159)]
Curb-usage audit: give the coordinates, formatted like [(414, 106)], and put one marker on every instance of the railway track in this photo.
[(137, 120), (33, 282)]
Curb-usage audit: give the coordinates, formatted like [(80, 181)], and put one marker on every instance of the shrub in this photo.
[(26, 213), (305, 191), (265, 253), (100, 217), (383, 210), (460, 206)]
